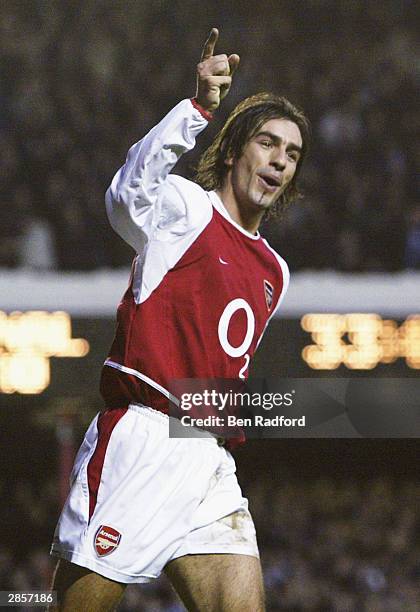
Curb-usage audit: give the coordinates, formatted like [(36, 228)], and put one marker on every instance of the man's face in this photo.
[(267, 164)]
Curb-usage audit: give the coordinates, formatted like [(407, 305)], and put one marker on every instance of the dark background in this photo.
[(82, 80)]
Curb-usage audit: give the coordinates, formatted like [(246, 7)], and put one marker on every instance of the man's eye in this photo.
[(293, 156), (266, 143)]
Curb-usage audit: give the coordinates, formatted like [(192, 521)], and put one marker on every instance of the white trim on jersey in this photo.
[(285, 272), (286, 279), (219, 206), (144, 378)]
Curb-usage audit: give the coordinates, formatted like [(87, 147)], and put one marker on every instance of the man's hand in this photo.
[(214, 74)]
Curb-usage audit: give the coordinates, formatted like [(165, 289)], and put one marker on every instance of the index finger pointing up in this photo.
[(210, 44)]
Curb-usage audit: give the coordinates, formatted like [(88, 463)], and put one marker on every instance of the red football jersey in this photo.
[(202, 288)]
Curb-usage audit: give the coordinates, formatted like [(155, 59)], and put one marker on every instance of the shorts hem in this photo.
[(99, 568), (214, 549)]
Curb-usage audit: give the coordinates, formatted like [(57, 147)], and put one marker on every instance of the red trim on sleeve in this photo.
[(106, 423), (201, 110)]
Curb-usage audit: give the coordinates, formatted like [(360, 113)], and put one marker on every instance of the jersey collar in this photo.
[(219, 206)]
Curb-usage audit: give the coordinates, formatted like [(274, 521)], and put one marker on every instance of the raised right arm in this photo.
[(134, 199), (143, 190)]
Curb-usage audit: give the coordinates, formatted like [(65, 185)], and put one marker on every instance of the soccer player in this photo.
[(203, 287)]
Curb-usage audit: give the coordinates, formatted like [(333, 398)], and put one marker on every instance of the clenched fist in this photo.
[(214, 74)]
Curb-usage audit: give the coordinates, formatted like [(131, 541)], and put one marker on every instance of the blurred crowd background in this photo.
[(81, 80)]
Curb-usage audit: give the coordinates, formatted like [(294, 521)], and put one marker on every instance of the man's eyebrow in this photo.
[(277, 140)]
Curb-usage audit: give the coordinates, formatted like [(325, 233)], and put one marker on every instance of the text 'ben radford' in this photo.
[(234, 421)]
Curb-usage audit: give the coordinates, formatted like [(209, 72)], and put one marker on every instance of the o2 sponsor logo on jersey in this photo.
[(106, 540), (223, 328)]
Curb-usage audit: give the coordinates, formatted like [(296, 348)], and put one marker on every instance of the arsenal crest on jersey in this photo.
[(106, 540), (269, 291)]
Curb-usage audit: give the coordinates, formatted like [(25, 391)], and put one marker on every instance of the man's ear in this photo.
[(229, 161)]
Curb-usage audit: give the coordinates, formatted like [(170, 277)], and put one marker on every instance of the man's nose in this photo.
[(279, 162)]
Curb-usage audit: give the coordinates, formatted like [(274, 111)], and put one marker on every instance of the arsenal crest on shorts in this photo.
[(106, 540), (268, 290)]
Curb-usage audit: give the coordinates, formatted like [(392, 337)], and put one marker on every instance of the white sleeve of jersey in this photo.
[(143, 197)]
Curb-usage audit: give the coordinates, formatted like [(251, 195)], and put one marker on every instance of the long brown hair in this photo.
[(242, 124)]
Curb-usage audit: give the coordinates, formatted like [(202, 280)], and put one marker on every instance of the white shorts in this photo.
[(139, 499)]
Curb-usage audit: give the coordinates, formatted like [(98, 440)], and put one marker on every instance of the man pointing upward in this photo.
[(203, 287)]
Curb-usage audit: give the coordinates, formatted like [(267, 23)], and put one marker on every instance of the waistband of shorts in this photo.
[(175, 426), (150, 413)]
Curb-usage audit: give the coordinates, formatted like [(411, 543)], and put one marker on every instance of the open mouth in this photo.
[(269, 183)]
